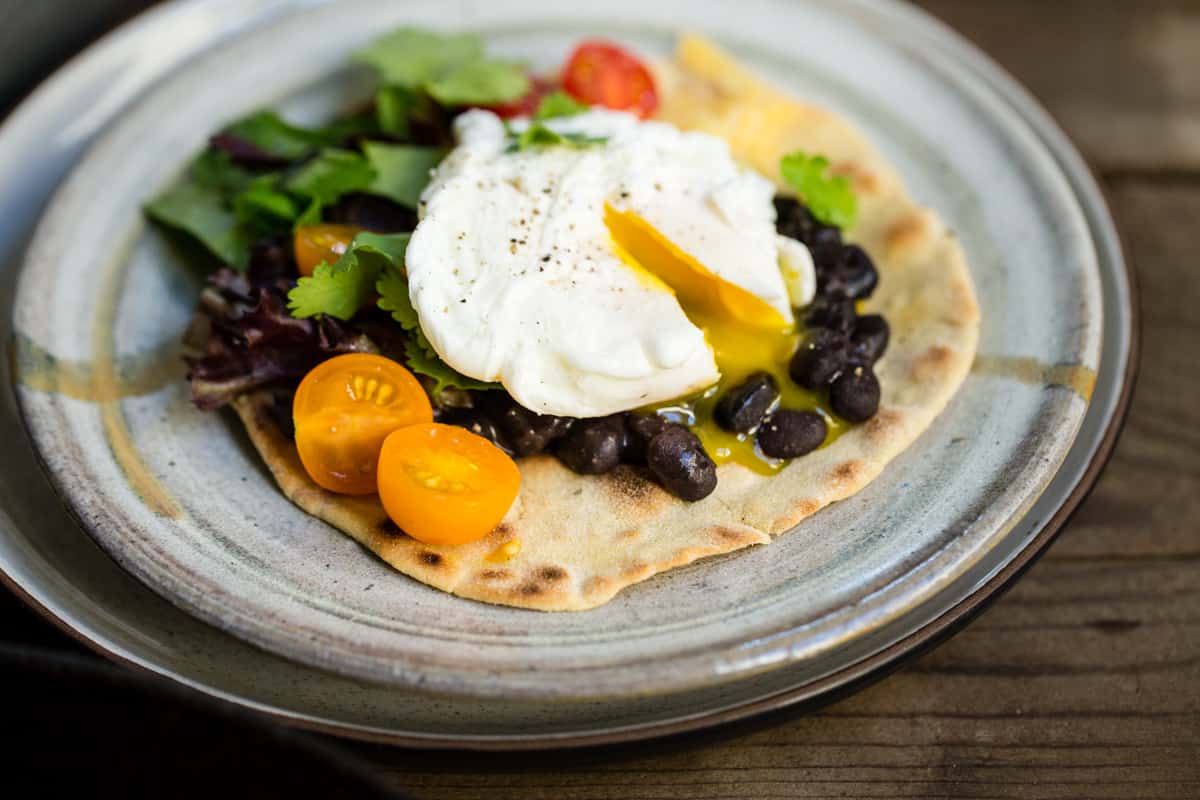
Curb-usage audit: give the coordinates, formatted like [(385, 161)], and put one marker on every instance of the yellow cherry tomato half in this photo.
[(312, 244), (445, 485), (344, 409)]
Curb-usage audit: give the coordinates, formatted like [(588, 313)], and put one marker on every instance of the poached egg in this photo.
[(603, 277)]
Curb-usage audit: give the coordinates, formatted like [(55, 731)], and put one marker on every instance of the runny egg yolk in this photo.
[(745, 333)]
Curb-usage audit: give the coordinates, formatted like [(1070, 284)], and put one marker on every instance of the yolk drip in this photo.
[(698, 289), (746, 336)]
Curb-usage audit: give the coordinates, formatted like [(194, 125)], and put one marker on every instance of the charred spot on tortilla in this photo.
[(495, 574), (848, 472), (552, 574), (632, 484), (909, 233), (388, 528), (723, 532), (882, 424), (932, 364)]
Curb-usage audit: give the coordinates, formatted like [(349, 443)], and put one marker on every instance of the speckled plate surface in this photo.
[(179, 499)]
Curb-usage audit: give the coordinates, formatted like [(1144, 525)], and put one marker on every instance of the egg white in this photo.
[(516, 279)]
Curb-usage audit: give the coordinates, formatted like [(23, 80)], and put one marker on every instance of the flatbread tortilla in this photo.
[(581, 538)]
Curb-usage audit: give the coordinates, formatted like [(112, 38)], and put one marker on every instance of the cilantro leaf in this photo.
[(338, 290), (412, 57), (420, 355), (479, 82), (538, 135), (401, 171), (341, 289), (424, 360), (331, 174), (830, 199), (393, 297), (389, 245), (558, 104), (398, 172)]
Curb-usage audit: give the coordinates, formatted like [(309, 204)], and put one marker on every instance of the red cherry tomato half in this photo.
[(526, 104), (602, 74)]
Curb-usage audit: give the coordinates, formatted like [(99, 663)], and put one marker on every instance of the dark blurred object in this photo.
[(20, 623), (80, 723), (37, 37)]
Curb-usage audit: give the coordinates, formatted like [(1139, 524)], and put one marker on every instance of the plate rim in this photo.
[(1098, 217)]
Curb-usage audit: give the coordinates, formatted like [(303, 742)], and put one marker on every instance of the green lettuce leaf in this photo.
[(270, 133), (202, 214), (401, 171), (200, 206), (263, 206), (420, 355), (331, 174), (478, 83), (451, 68), (215, 170), (558, 104), (830, 199), (412, 57), (342, 288), (394, 107)]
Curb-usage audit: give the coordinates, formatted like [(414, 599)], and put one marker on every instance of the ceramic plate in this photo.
[(181, 501)]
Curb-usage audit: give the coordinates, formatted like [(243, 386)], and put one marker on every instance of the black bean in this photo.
[(525, 432), (793, 219), (744, 407), (790, 434), (855, 394), (870, 338), (859, 275), (593, 446), (642, 428), (826, 236), (835, 313), (677, 459), (828, 257), (820, 358), (476, 422), (844, 270)]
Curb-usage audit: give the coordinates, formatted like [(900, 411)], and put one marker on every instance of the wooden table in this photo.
[(1084, 680)]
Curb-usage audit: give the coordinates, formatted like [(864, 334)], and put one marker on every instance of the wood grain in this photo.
[(1083, 681), (1121, 76)]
